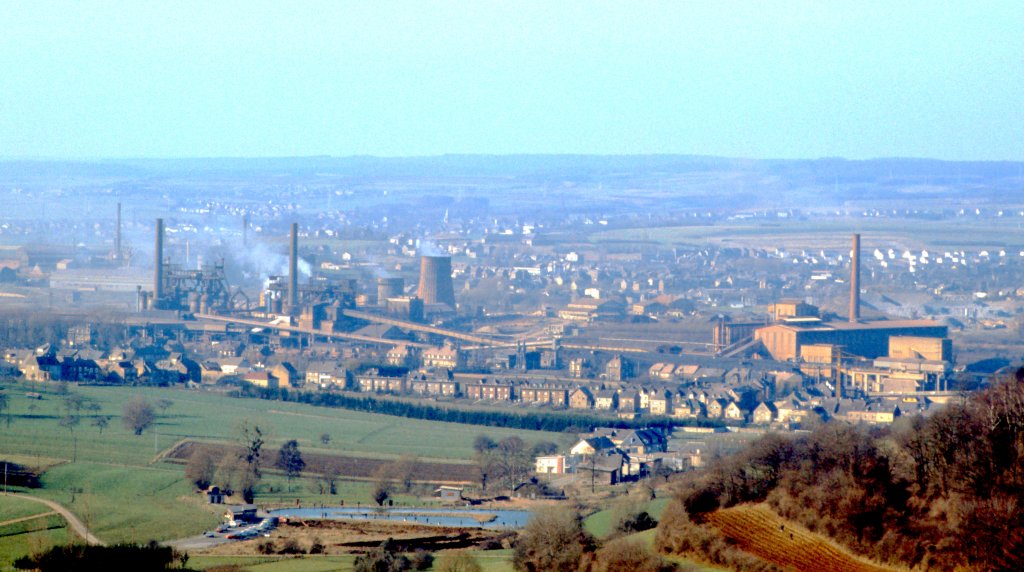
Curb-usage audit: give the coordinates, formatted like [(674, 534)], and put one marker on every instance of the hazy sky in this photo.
[(751, 79)]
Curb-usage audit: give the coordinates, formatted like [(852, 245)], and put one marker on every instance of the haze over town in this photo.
[(531, 286)]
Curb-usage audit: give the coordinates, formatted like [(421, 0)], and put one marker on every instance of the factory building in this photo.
[(785, 340), (800, 335)]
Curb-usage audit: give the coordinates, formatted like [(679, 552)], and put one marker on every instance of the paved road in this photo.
[(73, 522), (197, 542)]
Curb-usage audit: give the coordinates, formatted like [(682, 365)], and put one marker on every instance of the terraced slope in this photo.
[(758, 530)]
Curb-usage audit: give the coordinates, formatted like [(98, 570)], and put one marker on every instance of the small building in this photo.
[(240, 513), (214, 495), (550, 465), (449, 493)]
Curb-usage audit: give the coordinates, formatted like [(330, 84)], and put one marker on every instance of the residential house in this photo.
[(442, 386), (588, 446), (263, 379), (732, 412), (660, 402), (763, 414), (553, 396), (286, 374), (325, 374), (607, 400), (550, 465), (689, 409), (581, 398), (445, 357), (604, 469), (629, 402), (620, 368), (489, 390), (401, 355), (383, 380)]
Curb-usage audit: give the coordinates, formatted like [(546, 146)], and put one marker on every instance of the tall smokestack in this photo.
[(158, 272), (436, 280), (118, 254), (855, 281), (245, 229), (293, 269), (389, 288)]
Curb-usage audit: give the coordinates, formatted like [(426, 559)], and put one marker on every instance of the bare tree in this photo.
[(138, 415), (5, 406), (623, 554), (459, 561), (201, 468), (101, 422), (289, 460), (252, 458), (325, 438), (554, 539), (72, 405)]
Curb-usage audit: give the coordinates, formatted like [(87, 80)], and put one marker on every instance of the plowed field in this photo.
[(758, 530)]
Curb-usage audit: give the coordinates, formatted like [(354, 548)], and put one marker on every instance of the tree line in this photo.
[(534, 420), (941, 492)]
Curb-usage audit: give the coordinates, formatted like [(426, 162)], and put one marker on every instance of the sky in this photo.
[(781, 79)]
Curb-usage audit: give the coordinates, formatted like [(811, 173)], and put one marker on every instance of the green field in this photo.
[(490, 561), (601, 522), (19, 538), (123, 491)]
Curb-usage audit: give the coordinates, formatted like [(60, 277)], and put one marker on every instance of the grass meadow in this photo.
[(119, 485)]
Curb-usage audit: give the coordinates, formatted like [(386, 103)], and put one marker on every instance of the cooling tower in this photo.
[(436, 280), (293, 270), (855, 281), (158, 263), (389, 288)]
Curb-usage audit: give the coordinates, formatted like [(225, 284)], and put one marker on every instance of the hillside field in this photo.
[(122, 488), (758, 530)]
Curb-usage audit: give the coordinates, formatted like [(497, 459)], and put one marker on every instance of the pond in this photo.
[(460, 517)]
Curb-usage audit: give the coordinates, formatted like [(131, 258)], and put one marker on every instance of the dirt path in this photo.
[(758, 530), (73, 522), (24, 518)]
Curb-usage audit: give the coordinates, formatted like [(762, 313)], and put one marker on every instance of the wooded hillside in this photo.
[(943, 492)]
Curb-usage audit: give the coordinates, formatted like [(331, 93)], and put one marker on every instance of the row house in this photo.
[(446, 358), (553, 396), (401, 356), (325, 374), (377, 381), (607, 400), (489, 390), (435, 386), (724, 409), (660, 403), (690, 409)]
